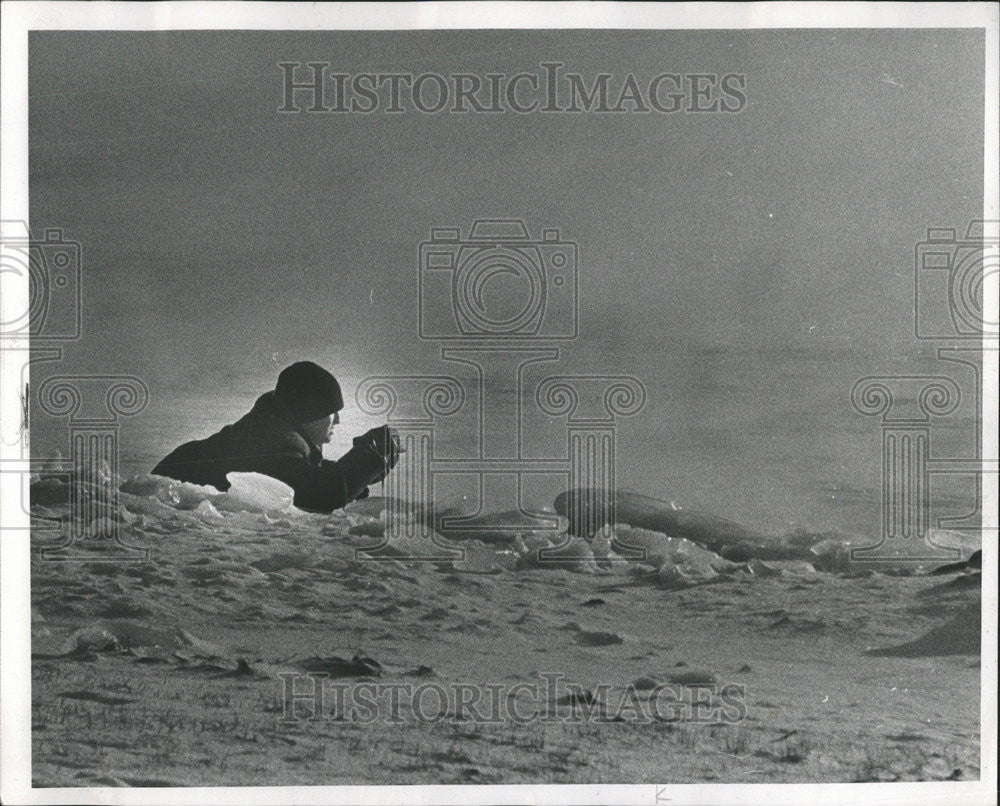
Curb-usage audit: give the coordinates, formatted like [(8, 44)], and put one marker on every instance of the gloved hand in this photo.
[(374, 454), (383, 441)]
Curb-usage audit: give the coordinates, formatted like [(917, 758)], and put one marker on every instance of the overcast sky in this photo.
[(223, 240)]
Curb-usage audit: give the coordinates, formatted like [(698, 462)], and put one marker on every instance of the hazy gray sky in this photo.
[(222, 240)]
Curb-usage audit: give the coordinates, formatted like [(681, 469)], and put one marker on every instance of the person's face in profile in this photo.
[(320, 431)]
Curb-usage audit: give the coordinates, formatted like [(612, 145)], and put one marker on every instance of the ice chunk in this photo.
[(180, 494), (774, 568), (834, 554), (94, 638), (253, 492), (190, 496), (562, 551), (143, 484), (658, 550), (967, 542), (208, 513)]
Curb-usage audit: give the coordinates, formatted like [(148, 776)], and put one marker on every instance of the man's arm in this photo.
[(332, 485)]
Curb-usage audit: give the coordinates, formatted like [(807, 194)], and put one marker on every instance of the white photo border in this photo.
[(18, 18)]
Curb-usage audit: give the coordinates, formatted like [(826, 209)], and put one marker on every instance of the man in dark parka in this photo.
[(281, 437)]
